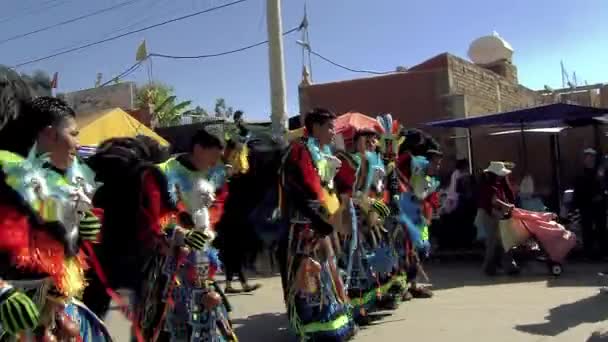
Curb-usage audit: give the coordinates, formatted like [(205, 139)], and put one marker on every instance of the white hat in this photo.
[(590, 151), (498, 168)]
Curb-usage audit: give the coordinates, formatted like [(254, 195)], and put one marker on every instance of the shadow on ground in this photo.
[(599, 336), (263, 327), (445, 275), (593, 309)]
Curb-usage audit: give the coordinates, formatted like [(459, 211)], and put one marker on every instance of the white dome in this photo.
[(490, 49)]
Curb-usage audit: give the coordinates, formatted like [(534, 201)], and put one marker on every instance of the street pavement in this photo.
[(467, 306)]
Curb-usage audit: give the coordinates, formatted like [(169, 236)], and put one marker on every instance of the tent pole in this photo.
[(556, 161), (470, 151)]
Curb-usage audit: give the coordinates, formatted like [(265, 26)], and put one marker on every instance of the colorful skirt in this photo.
[(92, 329), (361, 283), (316, 313), (188, 319)]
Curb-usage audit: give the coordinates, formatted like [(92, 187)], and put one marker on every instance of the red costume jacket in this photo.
[(302, 185)]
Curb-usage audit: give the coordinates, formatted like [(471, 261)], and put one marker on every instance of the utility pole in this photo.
[(276, 68)]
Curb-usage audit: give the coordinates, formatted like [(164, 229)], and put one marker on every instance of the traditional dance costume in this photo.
[(389, 145), (199, 309), (45, 215), (364, 258), (317, 303)]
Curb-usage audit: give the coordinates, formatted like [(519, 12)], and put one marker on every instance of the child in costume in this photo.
[(317, 303), (200, 309), (45, 217)]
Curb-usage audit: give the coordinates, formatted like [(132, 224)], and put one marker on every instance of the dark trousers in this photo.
[(281, 256), (233, 263), (593, 224)]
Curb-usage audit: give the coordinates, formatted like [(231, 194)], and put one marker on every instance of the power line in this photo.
[(135, 66), (69, 21), (129, 33), (124, 74), (222, 53), (347, 68), (114, 31), (36, 10)]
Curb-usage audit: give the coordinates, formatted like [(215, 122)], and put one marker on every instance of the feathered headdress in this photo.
[(390, 139)]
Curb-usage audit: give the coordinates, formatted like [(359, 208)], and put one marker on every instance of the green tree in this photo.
[(162, 102)]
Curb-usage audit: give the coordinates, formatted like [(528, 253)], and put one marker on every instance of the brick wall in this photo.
[(446, 87), (486, 91), (412, 97)]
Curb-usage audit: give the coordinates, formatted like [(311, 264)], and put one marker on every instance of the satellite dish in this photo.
[(490, 49)]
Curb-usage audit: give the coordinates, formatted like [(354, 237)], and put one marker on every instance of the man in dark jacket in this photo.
[(590, 200)]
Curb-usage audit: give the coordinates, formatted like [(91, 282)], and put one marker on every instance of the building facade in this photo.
[(449, 87)]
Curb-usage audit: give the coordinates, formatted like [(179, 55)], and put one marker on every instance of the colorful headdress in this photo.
[(389, 139), (422, 184)]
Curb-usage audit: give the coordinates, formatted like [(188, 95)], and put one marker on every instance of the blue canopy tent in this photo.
[(547, 115), (551, 115)]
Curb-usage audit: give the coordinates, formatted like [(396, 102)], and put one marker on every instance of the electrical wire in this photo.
[(347, 68), (69, 21), (136, 66), (110, 33), (211, 9), (222, 53), (35, 10), (124, 74)]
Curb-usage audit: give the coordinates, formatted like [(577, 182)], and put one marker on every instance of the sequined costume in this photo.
[(390, 141), (317, 303), (189, 318), (41, 215), (417, 194), (361, 234)]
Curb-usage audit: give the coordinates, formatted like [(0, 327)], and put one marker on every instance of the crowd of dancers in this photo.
[(351, 227)]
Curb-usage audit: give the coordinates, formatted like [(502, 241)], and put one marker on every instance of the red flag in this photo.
[(54, 81)]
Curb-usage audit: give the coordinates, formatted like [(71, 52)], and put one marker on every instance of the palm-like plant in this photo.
[(161, 101)]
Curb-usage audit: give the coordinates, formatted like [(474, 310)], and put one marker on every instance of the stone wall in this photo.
[(486, 91)]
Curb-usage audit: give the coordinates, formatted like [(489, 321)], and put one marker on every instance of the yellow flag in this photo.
[(142, 52)]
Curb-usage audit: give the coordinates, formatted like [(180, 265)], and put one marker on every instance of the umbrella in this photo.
[(349, 123)]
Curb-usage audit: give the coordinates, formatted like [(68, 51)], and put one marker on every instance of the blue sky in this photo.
[(377, 35)]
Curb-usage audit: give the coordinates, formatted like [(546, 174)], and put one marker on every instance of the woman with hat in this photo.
[(495, 201)]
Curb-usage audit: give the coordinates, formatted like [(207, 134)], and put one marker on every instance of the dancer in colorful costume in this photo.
[(416, 202), (359, 180), (317, 303), (388, 145), (199, 309), (45, 217)]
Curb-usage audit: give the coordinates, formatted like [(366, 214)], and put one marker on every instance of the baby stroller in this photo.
[(536, 235)]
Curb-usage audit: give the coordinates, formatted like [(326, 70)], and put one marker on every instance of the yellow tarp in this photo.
[(113, 123)]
